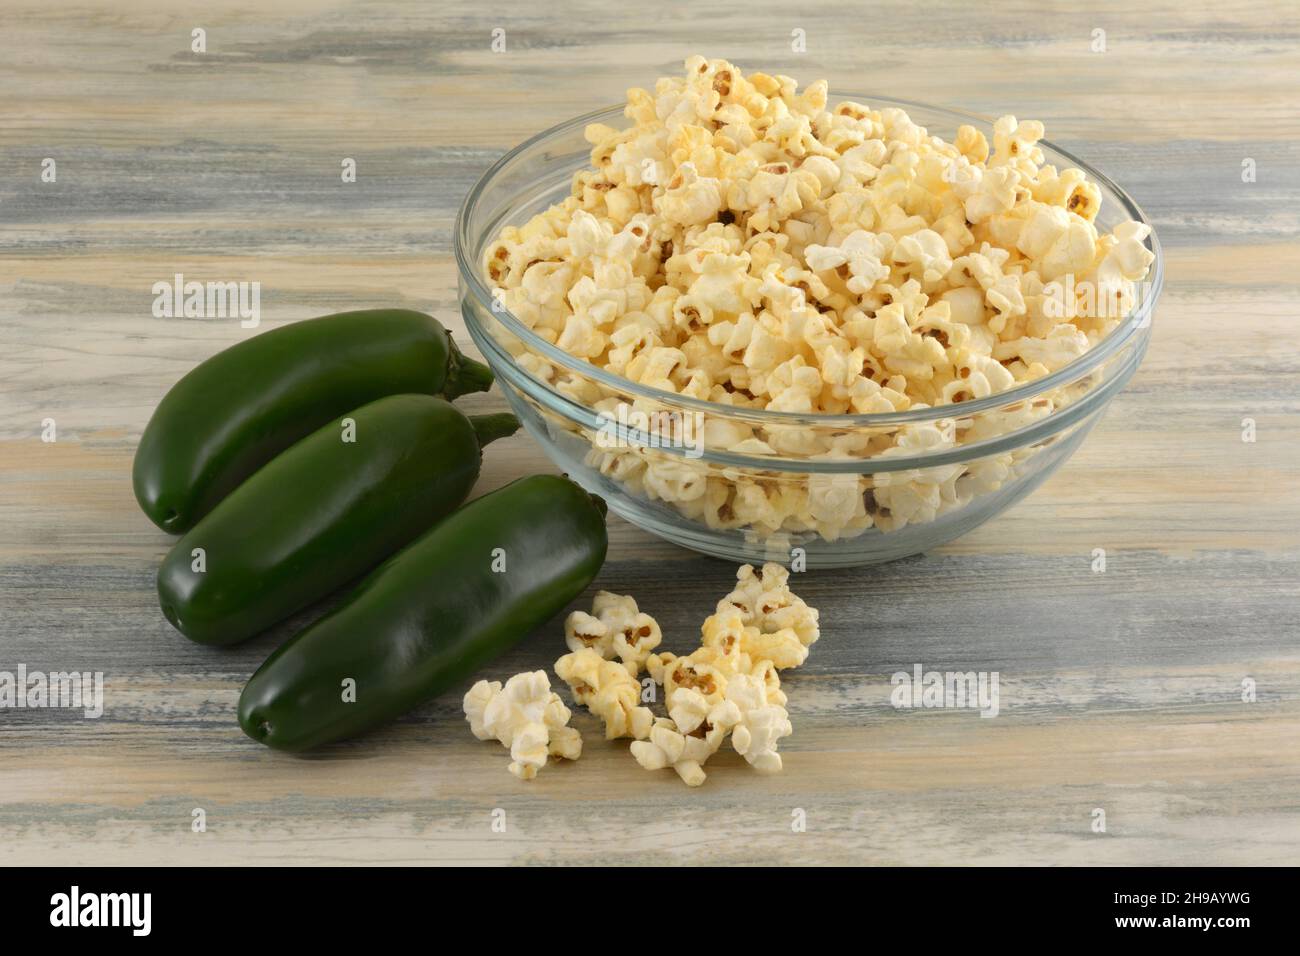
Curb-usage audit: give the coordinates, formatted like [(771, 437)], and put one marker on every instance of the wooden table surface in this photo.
[(1120, 691)]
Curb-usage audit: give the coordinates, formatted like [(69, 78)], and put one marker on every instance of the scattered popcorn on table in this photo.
[(615, 627), (767, 602), (582, 630), (751, 245), (608, 691), (525, 716), (726, 630), (695, 730), (685, 753), (762, 722), (730, 684)]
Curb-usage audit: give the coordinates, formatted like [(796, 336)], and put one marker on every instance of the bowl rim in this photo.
[(1137, 319)]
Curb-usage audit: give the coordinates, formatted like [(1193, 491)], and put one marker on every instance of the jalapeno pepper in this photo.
[(430, 616), (322, 513), (239, 409)]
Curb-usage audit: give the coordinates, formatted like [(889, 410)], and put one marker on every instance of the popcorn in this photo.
[(727, 632), (925, 254), (1001, 290), (608, 691), (861, 252), (1014, 144), (971, 144), (729, 685), (748, 244), (1072, 252), (766, 601), (686, 753), (989, 192), (723, 284), (614, 628), (1063, 345), (760, 725), (690, 198), (1129, 259), (583, 630), (525, 716)]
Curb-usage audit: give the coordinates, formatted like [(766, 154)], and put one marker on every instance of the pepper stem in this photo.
[(464, 374), (491, 427)]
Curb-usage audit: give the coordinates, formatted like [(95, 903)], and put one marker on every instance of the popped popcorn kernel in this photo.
[(686, 752), (766, 601), (730, 685), (761, 723), (616, 627), (607, 690), (525, 716)]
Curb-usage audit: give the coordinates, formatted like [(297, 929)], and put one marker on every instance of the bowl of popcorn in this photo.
[(764, 324)]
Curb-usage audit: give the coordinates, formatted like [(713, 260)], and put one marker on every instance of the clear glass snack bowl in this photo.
[(672, 473)]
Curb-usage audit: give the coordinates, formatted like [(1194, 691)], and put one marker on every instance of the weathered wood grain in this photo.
[(1120, 690)]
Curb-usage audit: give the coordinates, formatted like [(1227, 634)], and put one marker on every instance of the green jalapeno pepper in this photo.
[(322, 513), (236, 411), (431, 615)]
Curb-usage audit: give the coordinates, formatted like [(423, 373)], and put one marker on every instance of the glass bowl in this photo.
[(827, 490)]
